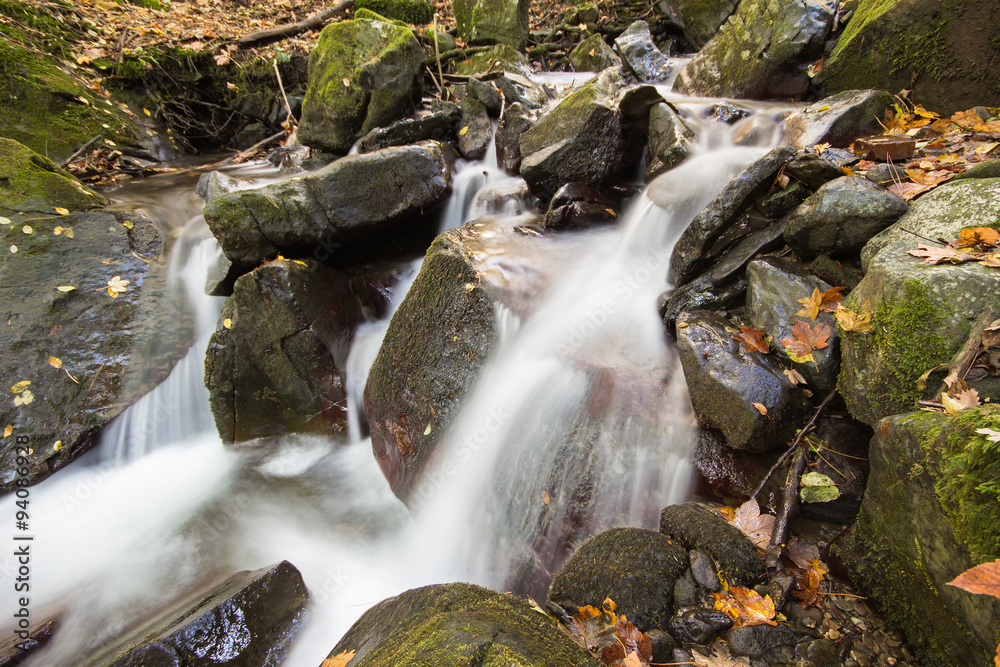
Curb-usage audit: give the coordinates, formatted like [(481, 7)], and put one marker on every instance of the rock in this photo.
[(697, 528), (457, 330), (687, 592), (735, 260), (699, 625), (518, 88), (583, 138), (841, 217), (475, 131), (593, 55), (705, 571), (670, 140), (839, 119), (214, 184), (316, 214), (415, 12), (702, 19), (922, 314), (382, 64), (813, 170), (728, 113), (775, 286), (887, 174), (106, 344), (725, 381), (845, 461), (577, 206), (221, 277), (506, 194), (692, 253), (513, 123), (761, 41), (941, 60), (493, 21), (485, 93), (703, 294), (663, 645), (17, 647), (634, 567), (249, 619), (921, 525), (637, 50), (755, 641), (990, 169), (278, 367), (438, 126), (458, 624), (35, 184), (726, 474)]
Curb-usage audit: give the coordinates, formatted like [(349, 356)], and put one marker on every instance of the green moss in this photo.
[(416, 12), (30, 182)]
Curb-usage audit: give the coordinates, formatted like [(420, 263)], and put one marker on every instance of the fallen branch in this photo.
[(243, 155), (79, 151), (289, 29), (456, 53)]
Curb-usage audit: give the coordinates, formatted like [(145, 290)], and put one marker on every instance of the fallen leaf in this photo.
[(793, 376), (907, 190), (992, 260), (802, 554), (720, 657), (24, 398), (934, 255), (818, 494), (117, 286), (55, 362), (61, 211), (756, 526), (754, 340), (991, 435), (67, 232), (545, 497), (222, 59), (128, 224), (745, 606), (954, 401), (57, 445), (347, 82), (13, 249), (65, 288), (27, 229), (805, 339), (974, 236), (810, 305), (339, 660), (463, 131), (227, 323), (983, 579), (855, 322), (4, 221), (8, 430), (20, 386), (761, 408), (815, 479)]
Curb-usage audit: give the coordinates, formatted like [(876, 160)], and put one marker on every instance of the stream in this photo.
[(533, 464)]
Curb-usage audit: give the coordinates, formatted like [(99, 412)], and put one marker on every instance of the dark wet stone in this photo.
[(638, 51), (221, 277), (475, 130), (697, 528), (687, 593), (735, 260), (704, 569), (699, 625), (217, 183), (813, 170), (839, 119), (577, 206), (521, 89), (438, 126), (484, 92), (781, 202), (515, 120), (703, 294), (727, 474), (728, 113), (663, 645), (602, 58), (670, 140), (755, 641), (886, 174), (989, 169)]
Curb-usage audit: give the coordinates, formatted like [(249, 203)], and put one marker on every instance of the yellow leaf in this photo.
[(339, 660), (57, 445), (27, 229), (4, 221), (67, 232), (427, 431), (860, 322), (463, 131), (128, 224), (300, 262), (20, 386), (117, 286), (228, 323), (545, 497), (55, 362), (347, 82), (8, 430), (146, 111), (62, 211), (13, 249), (591, 53), (24, 398), (109, 142), (65, 288)]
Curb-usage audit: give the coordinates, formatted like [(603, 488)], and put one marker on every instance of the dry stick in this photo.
[(289, 29), (437, 55), (457, 53), (242, 155), (79, 151), (434, 79), (290, 120)]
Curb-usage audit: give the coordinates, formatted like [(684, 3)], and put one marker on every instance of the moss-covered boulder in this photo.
[(76, 355), (585, 138), (945, 52), (694, 527), (323, 216), (839, 119), (593, 55), (458, 624), (703, 18), (30, 182), (922, 314), (415, 12), (931, 511), (363, 74), (635, 567), (497, 58), (493, 21), (434, 348), (759, 50), (276, 362)]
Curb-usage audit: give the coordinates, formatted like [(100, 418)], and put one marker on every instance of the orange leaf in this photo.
[(805, 339), (753, 339), (831, 299), (930, 178), (810, 305), (908, 190), (761, 408), (754, 609), (983, 579), (339, 660), (975, 236)]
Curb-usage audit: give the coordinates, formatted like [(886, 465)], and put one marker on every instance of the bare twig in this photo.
[(79, 151), (290, 120), (289, 29)]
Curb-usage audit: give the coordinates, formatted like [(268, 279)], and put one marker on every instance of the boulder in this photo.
[(781, 202), (214, 184), (926, 518), (438, 126), (436, 343), (486, 93), (641, 55), (703, 294), (576, 206), (698, 625), (363, 74), (922, 314), (584, 138), (726, 381), (276, 362), (694, 249), (760, 45), (944, 58), (844, 460), (726, 474), (35, 184), (86, 354), (814, 170), (733, 263), (519, 88), (757, 641), (415, 12), (593, 55), (697, 528), (249, 619), (887, 174), (493, 21), (315, 214), (670, 140), (775, 287), (838, 119), (840, 217), (635, 567), (476, 130), (703, 18), (458, 624), (513, 123)]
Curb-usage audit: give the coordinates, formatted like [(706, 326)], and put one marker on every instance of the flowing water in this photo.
[(579, 421)]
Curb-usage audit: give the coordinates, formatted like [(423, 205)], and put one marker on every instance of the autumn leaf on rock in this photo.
[(908, 190), (957, 400), (991, 435), (795, 377), (55, 362), (746, 607), (992, 260), (811, 304), (720, 657), (983, 579), (117, 286), (855, 322), (974, 236), (760, 407), (938, 255), (756, 526), (339, 660), (805, 339), (754, 340)]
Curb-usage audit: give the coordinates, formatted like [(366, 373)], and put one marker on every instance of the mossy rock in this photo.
[(30, 182), (497, 58), (459, 624), (922, 314), (635, 567), (703, 18), (696, 528), (414, 12), (945, 52), (363, 74), (493, 22), (593, 55), (931, 511)]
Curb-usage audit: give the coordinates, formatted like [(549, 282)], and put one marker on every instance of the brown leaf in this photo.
[(983, 579), (958, 399), (761, 408), (992, 260), (938, 255), (929, 178), (720, 657), (857, 322), (802, 554), (974, 236), (754, 340), (794, 376), (811, 304), (908, 190), (749, 521), (339, 660), (805, 339)]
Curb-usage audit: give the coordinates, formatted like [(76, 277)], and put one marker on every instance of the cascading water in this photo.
[(581, 421)]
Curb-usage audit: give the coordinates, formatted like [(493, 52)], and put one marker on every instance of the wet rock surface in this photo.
[(838, 119), (641, 55)]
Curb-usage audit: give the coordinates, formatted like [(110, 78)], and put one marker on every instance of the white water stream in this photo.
[(579, 421)]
